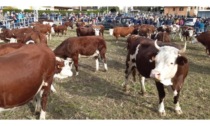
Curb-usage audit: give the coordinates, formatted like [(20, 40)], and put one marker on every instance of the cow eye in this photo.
[(171, 63)]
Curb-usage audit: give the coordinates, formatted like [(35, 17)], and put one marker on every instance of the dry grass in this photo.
[(99, 95)]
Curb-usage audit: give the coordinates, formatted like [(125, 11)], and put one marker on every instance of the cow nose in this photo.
[(155, 74)]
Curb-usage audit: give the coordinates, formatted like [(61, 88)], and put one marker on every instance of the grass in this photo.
[(99, 95)]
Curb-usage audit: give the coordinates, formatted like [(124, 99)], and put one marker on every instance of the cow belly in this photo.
[(96, 53), (18, 92)]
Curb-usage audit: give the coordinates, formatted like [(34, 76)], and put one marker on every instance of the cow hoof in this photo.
[(179, 112), (162, 113), (126, 89), (143, 93)]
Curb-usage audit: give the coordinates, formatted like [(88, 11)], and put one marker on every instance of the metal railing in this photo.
[(11, 24)]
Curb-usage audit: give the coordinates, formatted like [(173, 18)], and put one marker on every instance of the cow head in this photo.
[(111, 31), (97, 31), (166, 63), (63, 68)]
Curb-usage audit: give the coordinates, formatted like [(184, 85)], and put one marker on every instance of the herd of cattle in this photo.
[(28, 65)]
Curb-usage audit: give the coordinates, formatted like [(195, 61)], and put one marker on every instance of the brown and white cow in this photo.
[(100, 28), (186, 33), (31, 77), (87, 31), (161, 36), (60, 29), (163, 62), (45, 29), (71, 48), (121, 32), (146, 30), (204, 39), (69, 24)]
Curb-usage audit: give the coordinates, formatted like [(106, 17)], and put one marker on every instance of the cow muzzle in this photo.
[(155, 74)]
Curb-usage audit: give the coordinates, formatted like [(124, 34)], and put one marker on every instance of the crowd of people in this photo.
[(22, 18)]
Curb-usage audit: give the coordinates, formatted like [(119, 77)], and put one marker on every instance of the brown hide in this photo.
[(85, 31), (204, 39), (22, 74), (70, 24), (85, 45), (122, 31)]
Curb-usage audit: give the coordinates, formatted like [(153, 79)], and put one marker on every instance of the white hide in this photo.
[(13, 40), (165, 66), (111, 31), (97, 31), (66, 70), (30, 42)]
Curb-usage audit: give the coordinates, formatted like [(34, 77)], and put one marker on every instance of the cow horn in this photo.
[(156, 45), (183, 49)]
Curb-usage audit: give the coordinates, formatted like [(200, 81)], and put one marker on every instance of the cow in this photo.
[(80, 24), (161, 36), (100, 28), (165, 63), (146, 30), (85, 45), (60, 29), (122, 32), (31, 77), (69, 24), (204, 39), (32, 37), (87, 31), (11, 35), (62, 72), (45, 29), (187, 32)]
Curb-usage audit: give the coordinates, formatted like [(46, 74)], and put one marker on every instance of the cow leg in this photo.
[(161, 94), (97, 63), (103, 57), (46, 91), (38, 102), (117, 39), (50, 36), (180, 36), (143, 89), (129, 69), (75, 59), (176, 97), (176, 102)]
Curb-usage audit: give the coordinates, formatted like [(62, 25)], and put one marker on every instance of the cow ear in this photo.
[(181, 60)]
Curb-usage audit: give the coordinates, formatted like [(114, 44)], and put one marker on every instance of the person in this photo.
[(196, 26), (201, 26)]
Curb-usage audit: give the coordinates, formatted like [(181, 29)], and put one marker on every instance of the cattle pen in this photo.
[(99, 95)]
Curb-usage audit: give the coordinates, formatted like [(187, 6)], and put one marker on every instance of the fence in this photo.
[(11, 24)]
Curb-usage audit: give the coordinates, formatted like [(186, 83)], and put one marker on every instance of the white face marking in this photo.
[(97, 31), (111, 31), (66, 70), (52, 30), (165, 65), (190, 33)]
